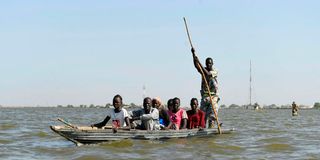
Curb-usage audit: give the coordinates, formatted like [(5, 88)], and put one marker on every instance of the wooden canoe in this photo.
[(88, 135)]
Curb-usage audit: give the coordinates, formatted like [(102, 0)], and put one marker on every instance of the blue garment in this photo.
[(161, 121)]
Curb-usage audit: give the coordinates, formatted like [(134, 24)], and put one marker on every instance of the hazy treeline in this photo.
[(132, 105), (272, 106), (108, 105)]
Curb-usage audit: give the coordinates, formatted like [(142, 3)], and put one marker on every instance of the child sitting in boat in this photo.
[(118, 115), (196, 117), (178, 116), (149, 116), (170, 104), (164, 119)]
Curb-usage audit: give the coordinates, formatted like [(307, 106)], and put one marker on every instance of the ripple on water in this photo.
[(274, 139), (54, 151), (7, 126), (3, 141), (90, 157), (313, 157), (270, 131), (225, 149), (40, 134), (289, 125), (36, 135), (278, 147), (117, 144)]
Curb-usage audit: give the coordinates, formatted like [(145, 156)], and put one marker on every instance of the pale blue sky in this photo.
[(83, 52)]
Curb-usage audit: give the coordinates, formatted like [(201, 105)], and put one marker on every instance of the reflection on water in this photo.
[(265, 134), (40, 134), (278, 147), (117, 144), (4, 141), (7, 126)]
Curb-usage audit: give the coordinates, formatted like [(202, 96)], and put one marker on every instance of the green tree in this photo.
[(223, 106), (234, 106), (108, 105), (316, 105), (132, 105)]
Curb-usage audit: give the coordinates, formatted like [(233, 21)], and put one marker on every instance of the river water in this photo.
[(262, 134)]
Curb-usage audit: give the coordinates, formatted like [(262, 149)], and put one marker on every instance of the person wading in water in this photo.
[(294, 109)]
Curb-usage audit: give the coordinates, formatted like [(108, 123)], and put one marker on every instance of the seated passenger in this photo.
[(164, 118), (178, 116), (118, 115), (149, 116), (170, 104), (195, 115)]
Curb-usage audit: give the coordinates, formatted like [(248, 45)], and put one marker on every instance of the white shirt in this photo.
[(118, 116)]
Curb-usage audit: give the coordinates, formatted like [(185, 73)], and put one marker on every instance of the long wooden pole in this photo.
[(205, 80), (189, 37), (66, 123)]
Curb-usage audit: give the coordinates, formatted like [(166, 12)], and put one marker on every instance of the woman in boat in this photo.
[(118, 115), (196, 117), (178, 116), (149, 116), (164, 119)]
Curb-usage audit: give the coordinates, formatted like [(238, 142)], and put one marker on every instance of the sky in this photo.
[(85, 52)]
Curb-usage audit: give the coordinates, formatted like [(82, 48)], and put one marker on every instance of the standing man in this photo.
[(210, 74)]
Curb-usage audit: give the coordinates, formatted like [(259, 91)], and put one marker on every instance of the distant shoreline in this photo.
[(132, 105), (18, 107)]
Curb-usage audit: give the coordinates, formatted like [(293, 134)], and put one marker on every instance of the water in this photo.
[(264, 134)]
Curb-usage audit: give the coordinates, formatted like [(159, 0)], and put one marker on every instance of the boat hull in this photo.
[(87, 135)]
